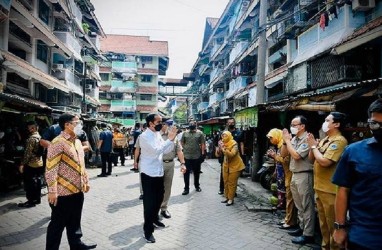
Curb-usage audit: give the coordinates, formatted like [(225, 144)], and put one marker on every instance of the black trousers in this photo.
[(221, 182), (33, 179), (66, 214), (153, 189), (106, 158), (118, 152), (194, 166)]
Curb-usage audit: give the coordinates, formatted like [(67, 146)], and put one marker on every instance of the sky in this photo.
[(180, 22)]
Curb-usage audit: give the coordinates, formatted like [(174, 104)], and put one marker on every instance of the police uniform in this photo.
[(331, 148), (301, 184)]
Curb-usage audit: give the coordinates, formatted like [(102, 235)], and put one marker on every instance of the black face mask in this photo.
[(192, 127), (231, 126), (377, 135), (158, 127)]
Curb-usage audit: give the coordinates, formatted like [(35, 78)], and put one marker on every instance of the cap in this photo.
[(169, 122)]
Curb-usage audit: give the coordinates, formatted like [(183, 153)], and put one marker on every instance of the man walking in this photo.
[(359, 180), (119, 143), (301, 184), (193, 143), (67, 181), (32, 167), (151, 165), (105, 146), (168, 166)]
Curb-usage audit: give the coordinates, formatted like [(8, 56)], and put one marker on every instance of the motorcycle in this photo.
[(266, 173)]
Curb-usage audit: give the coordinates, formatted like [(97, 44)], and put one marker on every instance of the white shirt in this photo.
[(152, 149)]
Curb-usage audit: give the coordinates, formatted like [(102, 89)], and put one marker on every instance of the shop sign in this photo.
[(247, 117)]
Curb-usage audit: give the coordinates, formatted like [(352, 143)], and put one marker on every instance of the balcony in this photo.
[(215, 97), (71, 80), (125, 122), (215, 73), (237, 50), (202, 106), (236, 85), (71, 42), (124, 67), (122, 87), (277, 56), (147, 102), (77, 14), (123, 105)]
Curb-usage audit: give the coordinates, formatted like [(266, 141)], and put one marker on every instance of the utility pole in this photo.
[(261, 52), (84, 108)]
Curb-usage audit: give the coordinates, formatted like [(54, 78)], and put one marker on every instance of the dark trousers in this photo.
[(153, 188), (106, 158), (66, 214), (118, 152), (194, 166), (33, 179), (221, 182)]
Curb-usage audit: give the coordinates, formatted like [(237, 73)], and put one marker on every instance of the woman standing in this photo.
[(232, 166)]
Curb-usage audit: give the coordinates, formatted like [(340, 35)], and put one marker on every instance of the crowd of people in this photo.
[(342, 181)]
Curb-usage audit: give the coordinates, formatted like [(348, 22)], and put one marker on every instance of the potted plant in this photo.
[(85, 27)]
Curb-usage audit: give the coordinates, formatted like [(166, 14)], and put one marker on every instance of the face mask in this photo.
[(192, 127), (158, 127), (231, 126), (325, 127), (77, 129), (293, 130), (377, 135)]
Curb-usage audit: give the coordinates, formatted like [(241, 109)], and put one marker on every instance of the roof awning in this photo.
[(271, 82), (26, 70), (357, 41), (321, 46), (42, 27), (27, 104)]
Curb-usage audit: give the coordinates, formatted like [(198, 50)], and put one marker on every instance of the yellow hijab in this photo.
[(277, 135), (229, 141)]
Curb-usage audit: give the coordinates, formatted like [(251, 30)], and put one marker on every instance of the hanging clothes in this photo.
[(322, 21)]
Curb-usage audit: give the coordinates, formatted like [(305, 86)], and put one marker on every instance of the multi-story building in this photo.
[(320, 57), (50, 52), (129, 87)]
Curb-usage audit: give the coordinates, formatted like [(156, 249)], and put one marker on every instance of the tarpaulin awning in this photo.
[(27, 71), (23, 103)]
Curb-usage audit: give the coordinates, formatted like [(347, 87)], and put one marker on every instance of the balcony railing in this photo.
[(77, 14), (123, 105), (237, 50), (202, 106), (124, 67), (215, 97), (70, 41), (147, 102), (235, 85), (215, 73), (73, 82), (122, 87)]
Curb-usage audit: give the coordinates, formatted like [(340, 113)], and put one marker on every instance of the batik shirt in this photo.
[(65, 167)]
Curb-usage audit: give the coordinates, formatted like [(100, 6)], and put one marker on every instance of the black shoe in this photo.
[(302, 240), (185, 192), (229, 203), (102, 175), (150, 239), (108, 173), (297, 232), (198, 189), (141, 197), (36, 202), (134, 169), (166, 214), (122, 165), (225, 201), (159, 224), (220, 192), (83, 246), (288, 227), (200, 172), (26, 204)]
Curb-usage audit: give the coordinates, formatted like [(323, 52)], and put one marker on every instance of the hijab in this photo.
[(229, 141), (277, 136)]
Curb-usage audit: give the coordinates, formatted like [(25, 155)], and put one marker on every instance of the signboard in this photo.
[(247, 117)]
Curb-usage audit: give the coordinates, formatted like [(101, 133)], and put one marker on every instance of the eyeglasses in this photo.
[(295, 125), (374, 125)]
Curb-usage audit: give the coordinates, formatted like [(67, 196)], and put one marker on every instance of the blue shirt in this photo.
[(107, 141), (360, 170), (55, 130)]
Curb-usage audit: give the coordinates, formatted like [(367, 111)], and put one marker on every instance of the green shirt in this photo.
[(192, 142)]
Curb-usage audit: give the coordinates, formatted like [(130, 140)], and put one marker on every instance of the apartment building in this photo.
[(129, 86), (50, 53)]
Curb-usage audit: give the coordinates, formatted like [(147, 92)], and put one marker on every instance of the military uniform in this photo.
[(331, 148)]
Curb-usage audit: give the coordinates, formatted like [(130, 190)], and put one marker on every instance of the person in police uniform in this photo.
[(168, 167), (326, 154), (301, 184)]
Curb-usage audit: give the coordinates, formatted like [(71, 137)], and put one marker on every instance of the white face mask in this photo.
[(293, 130), (78, 129), (325, 127)]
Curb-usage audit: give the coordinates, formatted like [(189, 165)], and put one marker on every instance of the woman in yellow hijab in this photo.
[(232, 166), (284, 176)]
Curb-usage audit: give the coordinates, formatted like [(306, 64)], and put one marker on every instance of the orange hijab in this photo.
[(229, 142), (277, 135)]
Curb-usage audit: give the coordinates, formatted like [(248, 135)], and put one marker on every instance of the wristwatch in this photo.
[(339, 226), (313, 147), (183, 163)]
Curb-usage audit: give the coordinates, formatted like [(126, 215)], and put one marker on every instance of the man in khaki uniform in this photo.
[(326, 154), (168, 167), (301, 184)]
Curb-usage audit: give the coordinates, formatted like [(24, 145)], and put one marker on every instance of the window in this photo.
[(43, 12), (147, 59), (42, 51), (143, 116), (146, 78), (104, 76), (146, 97)]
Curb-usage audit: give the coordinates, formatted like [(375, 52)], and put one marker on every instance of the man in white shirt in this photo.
[(151, 165)]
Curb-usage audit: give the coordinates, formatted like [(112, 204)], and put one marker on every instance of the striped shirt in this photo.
[(65, 166)]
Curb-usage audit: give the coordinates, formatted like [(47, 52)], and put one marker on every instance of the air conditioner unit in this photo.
[(363, 5), (88, 86), (57, 66)]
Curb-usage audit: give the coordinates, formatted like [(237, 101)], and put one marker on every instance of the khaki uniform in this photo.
[(168, 168), (331, 148), (301, 184)]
